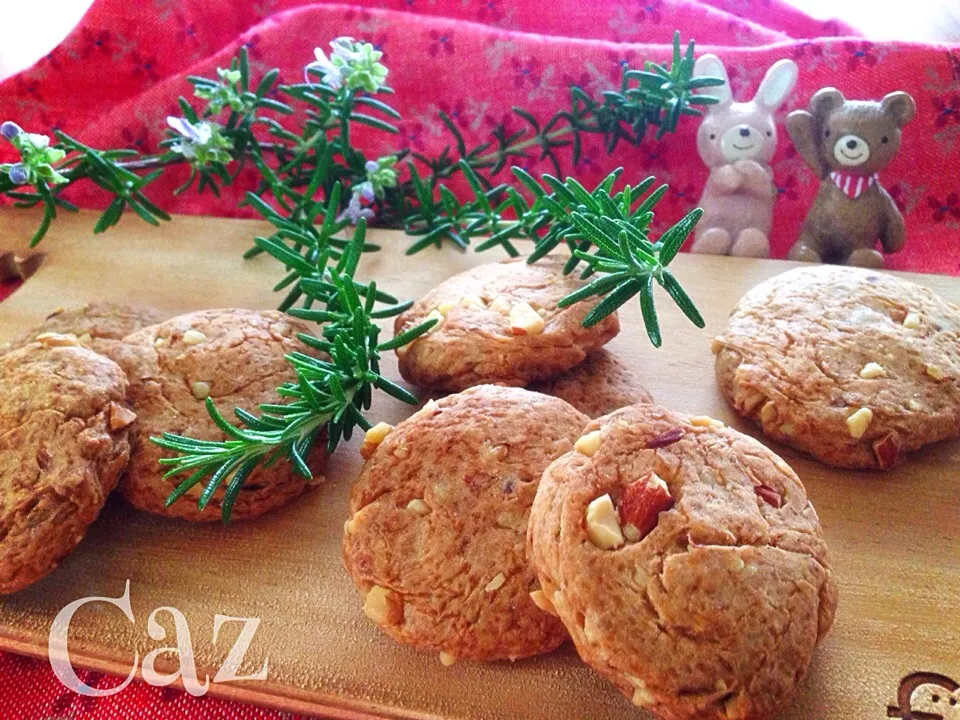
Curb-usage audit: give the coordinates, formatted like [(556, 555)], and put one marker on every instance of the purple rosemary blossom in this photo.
[(371, 166), (355, 210), (18, 174), (366, 192), (9, 130), (199, 133)]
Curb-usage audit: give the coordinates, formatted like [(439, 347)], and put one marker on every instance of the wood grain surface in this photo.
[(894, 537)]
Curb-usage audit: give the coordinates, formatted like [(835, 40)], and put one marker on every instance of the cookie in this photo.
[(500, 324), (439, 514), (599, 385), (63, 445), (100, 326), (854, 367), (236, 357), (687, 563)]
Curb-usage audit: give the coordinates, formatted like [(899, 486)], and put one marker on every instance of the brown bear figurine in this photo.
[(846, 143)]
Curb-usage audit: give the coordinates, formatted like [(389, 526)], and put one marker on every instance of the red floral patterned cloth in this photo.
[(117, 76)]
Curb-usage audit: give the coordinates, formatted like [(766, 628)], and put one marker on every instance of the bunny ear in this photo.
[(777, 84), (711, 66)]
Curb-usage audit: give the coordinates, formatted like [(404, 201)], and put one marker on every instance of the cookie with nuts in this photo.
[(500, 323), (436, 537), (854, 367), (599, 385), (63, 443), (234, 357), (687, 563), (100, 326)]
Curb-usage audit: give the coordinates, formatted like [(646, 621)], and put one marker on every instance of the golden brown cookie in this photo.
[(436, 539), (687, 563), (63, 445), (236, 357), (500, 324), (853, 366), (599, 385), (100, 326)]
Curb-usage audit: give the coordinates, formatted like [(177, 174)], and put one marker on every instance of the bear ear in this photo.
[(711, 66), (777, 84), (899, 106), (824, 101)]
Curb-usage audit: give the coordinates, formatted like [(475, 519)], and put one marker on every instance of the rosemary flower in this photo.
[(201, 143), (9, 130), (18, 174), (355, 65), (356, 210)]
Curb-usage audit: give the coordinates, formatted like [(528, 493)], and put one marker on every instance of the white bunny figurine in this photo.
[(736, 141)]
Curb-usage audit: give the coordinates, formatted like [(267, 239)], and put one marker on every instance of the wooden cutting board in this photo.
[(894, 537)]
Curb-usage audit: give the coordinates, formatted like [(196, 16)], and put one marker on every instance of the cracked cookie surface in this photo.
[(852, 366), (235, 357), (100, 326), (436, 540), (500, 324), (715, 612), (599, 385), (63, 445)]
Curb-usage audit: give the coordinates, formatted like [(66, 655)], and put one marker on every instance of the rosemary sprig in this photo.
[(329, 396)]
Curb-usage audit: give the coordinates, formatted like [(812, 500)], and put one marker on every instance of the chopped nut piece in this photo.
[(768, 413), (498, 580), (193, 337), (642, 697), (120, 417), (887, 451), (472, 302), (430, 407), (858, 422), (376, 434), (200, 390), (445, 307), (668, 437), (705, 421), (434, 315), (872, 370), (751, 402), (351, 525), (603, 524), (500, 304), (57, 340), (401, 451), (85, 339), (446, 659), (524, 320), (159, 342), (911, 321), (631, 533), (383, 606), (768, 495), (641, 505), (935, 372), (541, 600), (787, 429), (716, 346), (588, 444), (418, 506)]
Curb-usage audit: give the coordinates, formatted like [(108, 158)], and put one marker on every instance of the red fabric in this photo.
[(117, 76)]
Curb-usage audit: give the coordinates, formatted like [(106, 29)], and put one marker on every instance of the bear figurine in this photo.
[(846, 143)]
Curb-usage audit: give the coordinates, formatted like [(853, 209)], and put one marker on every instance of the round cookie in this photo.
[(63, 445), (500, 324), (436, 539), (687, 563), (853, 366), (100, 326), (236, 357), (599, 385)]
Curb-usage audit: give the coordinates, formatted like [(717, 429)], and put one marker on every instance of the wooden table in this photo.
[(894, 537)]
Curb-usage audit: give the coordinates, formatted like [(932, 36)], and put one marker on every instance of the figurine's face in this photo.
[(741, 132), (936, 701), (859, 138)]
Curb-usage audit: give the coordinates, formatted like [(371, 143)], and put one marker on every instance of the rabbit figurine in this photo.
[(736, 141)]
